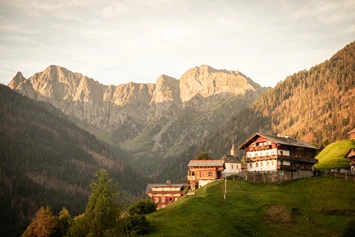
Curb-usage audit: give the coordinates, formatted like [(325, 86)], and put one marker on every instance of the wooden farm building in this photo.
[(165, 194), (351, 155), (202, 172), (352, 134), (283, 155)]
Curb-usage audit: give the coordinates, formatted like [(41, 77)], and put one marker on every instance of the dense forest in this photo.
[(315, 105), (46, 160)]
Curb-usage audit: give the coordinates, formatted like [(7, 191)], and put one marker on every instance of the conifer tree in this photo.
[(102, 211)]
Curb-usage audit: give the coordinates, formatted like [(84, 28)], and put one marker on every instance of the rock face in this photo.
[(152, 120)]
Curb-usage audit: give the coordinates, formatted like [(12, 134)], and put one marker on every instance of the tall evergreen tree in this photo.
[(102, 211)]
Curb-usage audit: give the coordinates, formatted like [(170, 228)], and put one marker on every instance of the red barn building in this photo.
[(165, 194)]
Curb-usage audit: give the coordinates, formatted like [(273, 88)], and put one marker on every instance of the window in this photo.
[(257, 165), (256, 154), (251, 165), (232, 166), (193, 173), (267, 163), (272, 162), (209, 173), (261, 164), (156, 200), (237, 167), (163, 199)]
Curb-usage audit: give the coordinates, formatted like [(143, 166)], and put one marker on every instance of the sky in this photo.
[(116, 42)]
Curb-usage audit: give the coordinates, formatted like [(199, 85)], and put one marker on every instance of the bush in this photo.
[(349, 229), (142, 207)]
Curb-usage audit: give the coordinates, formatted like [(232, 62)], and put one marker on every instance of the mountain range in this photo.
[(151, 121)]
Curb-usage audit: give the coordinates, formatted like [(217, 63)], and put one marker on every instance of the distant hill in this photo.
[(315, 105), (46, 159), (305, 207), (153, 121), (332, 156)]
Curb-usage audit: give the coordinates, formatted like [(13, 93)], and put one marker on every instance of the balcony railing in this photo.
[(290, 158)]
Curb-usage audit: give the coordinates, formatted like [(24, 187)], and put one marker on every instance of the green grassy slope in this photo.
[(332, 156), (252, 209)]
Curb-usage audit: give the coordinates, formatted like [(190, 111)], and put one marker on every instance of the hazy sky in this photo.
[(115, 42)]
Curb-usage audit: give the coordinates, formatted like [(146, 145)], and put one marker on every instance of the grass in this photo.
[(254, 209), (332, 156)]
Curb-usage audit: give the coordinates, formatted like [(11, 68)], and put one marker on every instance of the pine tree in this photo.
[(102, 211)]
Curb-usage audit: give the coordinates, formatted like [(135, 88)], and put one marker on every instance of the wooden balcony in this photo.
[(260, 158), (191, 178)]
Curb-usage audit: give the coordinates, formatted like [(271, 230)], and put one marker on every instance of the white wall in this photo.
[(263, 165)]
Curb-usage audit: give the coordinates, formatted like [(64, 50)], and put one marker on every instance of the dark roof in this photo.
[(351, 153), (230, 159), (206, 163), (290, 141), (352, 131)]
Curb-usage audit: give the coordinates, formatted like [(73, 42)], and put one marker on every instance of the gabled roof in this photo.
[(230, 159), (352, 131), (351, 153), (278, 140), (206, 163)]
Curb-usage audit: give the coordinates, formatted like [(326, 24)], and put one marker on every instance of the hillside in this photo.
[(332, 156), (47, 160), (306, 207), (315, 105), (152, 121)]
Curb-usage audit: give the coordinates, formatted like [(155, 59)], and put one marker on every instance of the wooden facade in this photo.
[(276, 153), (202, 172), (351, 155), (352, 134), (165, 194)]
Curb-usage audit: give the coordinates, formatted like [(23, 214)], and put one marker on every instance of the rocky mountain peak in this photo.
[(17, 79), (166, 89), (207, 81)]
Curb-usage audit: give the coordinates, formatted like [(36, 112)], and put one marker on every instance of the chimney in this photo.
[(168, 182)]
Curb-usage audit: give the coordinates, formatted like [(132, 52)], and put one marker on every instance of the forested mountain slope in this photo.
[(47, 160), (315, 105)]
